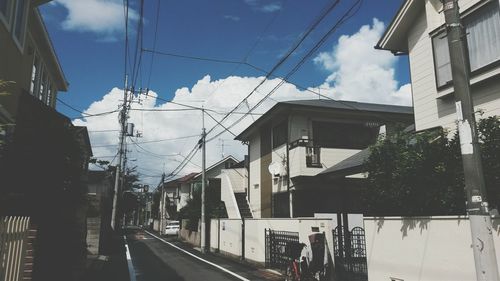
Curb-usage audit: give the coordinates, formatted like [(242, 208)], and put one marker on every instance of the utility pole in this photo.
[(477, 205), (203, 183), (123, 118)]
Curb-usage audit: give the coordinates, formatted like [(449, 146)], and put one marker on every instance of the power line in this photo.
[(347, 15), (284, 58), (154, 43)]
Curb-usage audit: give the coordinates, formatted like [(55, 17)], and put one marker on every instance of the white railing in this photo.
[(13, 240)]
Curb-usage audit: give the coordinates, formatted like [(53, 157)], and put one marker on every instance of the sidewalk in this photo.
[(240, 267), (112, 267)]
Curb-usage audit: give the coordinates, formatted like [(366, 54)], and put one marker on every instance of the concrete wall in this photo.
[(93, 233), (430, 110), (226, 235), (427, 248), (189, 236)]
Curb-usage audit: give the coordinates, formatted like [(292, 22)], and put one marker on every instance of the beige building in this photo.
[(27, 57), (418, 30), (295, 141)]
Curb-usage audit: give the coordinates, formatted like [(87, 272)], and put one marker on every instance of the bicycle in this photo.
[(294, 267)]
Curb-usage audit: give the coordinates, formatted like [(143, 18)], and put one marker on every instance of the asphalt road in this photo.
[(155, 260)]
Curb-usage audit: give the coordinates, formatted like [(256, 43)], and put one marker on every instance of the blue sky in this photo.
[(224, 29), (89, 39)]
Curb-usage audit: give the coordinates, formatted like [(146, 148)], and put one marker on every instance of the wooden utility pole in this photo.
[(203, 185), (121, 149), (477, 204)]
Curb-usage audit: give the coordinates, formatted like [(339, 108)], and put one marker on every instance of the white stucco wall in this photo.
[(230, 234), (228, 182), (328, 156), (254, 188), (429, 110), (433, 248), (183, 195)]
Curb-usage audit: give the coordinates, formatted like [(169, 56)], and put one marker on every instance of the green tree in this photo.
[(421, 173), (192, 211)]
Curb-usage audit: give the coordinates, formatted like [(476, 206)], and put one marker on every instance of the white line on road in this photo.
[(196, 257), (131, 270)]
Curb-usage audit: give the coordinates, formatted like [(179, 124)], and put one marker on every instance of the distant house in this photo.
[(295, 141), (178, 192), (418, 30)]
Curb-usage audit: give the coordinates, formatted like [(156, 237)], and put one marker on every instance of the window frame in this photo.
[(7, 18), (20, 42), (477, 8)]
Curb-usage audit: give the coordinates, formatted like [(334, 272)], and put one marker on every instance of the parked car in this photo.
[(172, 228)]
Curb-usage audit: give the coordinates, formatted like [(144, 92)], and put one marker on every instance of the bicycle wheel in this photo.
[(290, 275)]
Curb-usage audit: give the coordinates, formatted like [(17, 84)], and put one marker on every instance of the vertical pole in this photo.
[(203, 184), (476, 205), (291, 190), (123, 114), (243, 239)]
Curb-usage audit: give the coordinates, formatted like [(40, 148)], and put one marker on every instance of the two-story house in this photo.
[(295, 141), (418, 30), (44, 158)]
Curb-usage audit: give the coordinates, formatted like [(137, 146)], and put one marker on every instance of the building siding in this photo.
[(430, 110)]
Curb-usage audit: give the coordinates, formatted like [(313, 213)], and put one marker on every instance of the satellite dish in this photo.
[(275, 168)]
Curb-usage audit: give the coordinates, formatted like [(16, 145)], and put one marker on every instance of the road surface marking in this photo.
[(195, 256), (131, 270)]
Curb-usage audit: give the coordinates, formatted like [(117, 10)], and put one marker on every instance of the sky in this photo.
[(243, 35)]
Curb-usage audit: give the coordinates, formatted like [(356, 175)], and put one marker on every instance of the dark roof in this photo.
[(183, 179), (332, 106), (350, 165), (352, 105)]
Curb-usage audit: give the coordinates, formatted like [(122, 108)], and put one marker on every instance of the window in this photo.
[(280, 134), (43, 88), (34, 76), (5, 11), (483, 42), (20, 17), (343, 135), (48, 101), (441, 60)]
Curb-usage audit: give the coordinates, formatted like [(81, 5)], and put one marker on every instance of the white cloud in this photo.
[(266, 8), (232, 17), (356, 71), (360, 72), (102, 17), (273, 7), (220, 95)]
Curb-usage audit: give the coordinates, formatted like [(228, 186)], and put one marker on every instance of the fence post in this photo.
[(218, 235), (243, 239), (3, 242)]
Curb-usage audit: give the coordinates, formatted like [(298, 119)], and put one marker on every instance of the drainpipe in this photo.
[(290, 190)]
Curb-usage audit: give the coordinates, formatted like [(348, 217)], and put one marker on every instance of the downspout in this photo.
[(290, 191)]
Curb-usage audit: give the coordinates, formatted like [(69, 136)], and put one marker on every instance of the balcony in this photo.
[(312, 152)]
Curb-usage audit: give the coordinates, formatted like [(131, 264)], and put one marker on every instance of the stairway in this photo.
[(241, 199)]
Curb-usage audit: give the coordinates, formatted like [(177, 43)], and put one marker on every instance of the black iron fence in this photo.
[(276, 241), (350, 254)]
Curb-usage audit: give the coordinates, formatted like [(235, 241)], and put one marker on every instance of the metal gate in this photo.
[(276, 242), (350, 254)]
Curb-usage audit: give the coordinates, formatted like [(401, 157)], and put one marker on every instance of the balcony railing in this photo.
[(313, 152)]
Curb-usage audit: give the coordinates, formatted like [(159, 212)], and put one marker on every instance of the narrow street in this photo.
[(154, 259)]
